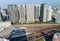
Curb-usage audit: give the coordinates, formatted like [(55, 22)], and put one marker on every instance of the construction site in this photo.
[(27, 32)]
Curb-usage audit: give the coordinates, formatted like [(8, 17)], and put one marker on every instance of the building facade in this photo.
[(0, 15), (57, 17), (45, 13), (37, 12), (50, 12), (13, 13), (30, 12), (21, 13), (4, 14)]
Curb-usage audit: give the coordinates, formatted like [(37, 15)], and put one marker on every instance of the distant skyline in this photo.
[(4, 3)]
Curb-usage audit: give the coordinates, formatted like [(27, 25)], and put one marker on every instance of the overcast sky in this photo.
[(4, 3)]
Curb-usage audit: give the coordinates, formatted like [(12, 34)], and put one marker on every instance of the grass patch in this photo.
[(36, 22), (40, 39)]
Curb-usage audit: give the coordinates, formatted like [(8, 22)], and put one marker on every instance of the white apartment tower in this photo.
[(58, 17), (49, 15), (30, 12), (37, 11), (13, 13), (21, 9), (46, 13), (0, 15)]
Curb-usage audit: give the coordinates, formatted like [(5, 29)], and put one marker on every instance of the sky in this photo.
[(4, 3)]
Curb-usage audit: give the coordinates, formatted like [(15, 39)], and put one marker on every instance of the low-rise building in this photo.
[(4, 13)]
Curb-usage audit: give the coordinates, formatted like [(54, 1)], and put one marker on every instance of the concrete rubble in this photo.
[(5, 29), (3, 39), (56, 37)]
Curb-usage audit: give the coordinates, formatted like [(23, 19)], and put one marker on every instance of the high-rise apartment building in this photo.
[(37, 11), (49, 15), (30, 12), (58, 17), (43, 14), (0, 18), (21, 9), (13, 13), (46, 13), (0, 15)]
